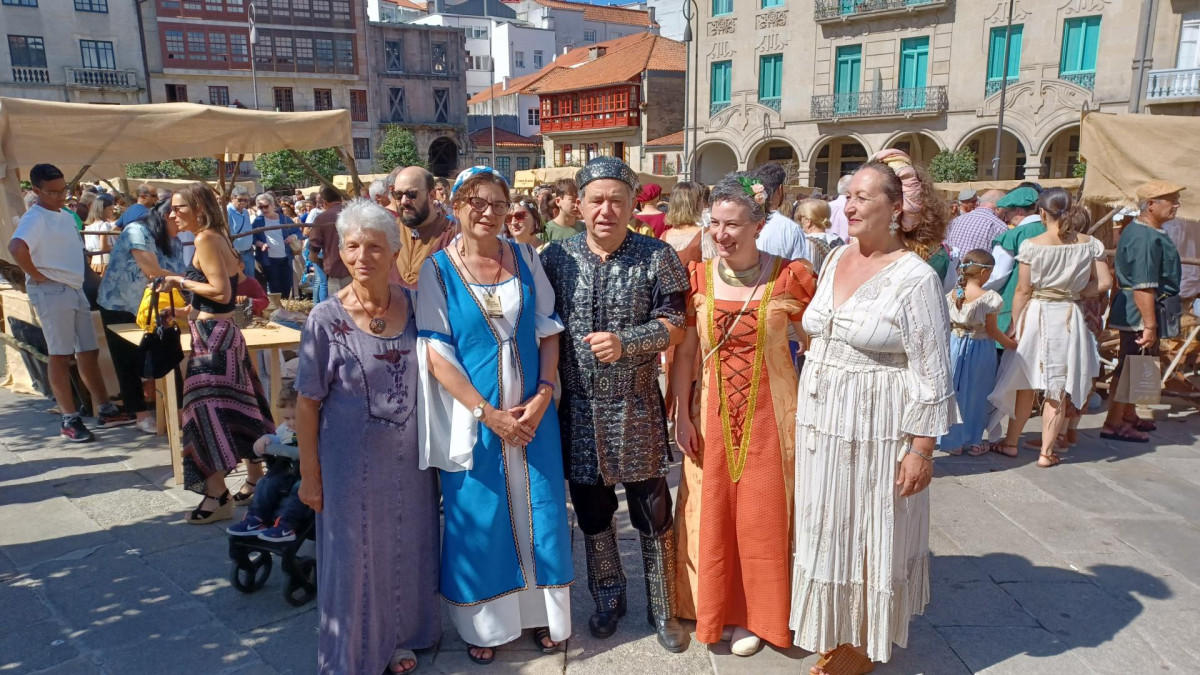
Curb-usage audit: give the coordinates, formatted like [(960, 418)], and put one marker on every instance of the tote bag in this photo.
[(162, 346)]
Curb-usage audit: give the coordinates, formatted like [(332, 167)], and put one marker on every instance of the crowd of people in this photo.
[(493, 353)]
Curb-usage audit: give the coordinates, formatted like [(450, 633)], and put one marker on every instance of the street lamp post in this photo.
[(691, 78), (253, 41), (1003, 93)]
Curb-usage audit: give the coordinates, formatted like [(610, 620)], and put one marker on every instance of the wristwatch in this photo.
[(477, 412)]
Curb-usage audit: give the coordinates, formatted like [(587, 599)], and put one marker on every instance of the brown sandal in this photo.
[(844, 660), (1050, 457), (998, 448)]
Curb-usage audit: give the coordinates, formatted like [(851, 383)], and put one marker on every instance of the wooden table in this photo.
[(271, 340)]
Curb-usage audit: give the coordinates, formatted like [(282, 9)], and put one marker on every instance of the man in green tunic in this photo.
[(1148, 275), (1020, 202)]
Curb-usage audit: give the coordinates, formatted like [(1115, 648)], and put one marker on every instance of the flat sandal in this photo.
[(844, 660)]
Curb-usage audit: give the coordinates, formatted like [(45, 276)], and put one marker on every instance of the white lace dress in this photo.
[(877, 373)]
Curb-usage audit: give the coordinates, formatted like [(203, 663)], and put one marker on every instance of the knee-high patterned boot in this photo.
[(658, 556), (606, 581)]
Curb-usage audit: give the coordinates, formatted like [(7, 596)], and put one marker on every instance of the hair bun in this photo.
[(899, 162)]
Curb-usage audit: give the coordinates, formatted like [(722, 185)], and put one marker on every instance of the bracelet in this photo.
[(927, 458), (548, 383)]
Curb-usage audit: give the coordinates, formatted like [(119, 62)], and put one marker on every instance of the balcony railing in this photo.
[(101, 78), (1085, 80), (770, 102), (884, 103), (30, 75), (834, 10), (993, 86), (1166, 85)]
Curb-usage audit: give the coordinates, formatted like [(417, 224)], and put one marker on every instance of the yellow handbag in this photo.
[(146, 315)]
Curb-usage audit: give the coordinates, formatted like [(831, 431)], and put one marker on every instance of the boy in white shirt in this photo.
[(48, 248)]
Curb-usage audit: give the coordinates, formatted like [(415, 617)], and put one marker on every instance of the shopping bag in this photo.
[(1141, 380), (148, 311), (162, 347)]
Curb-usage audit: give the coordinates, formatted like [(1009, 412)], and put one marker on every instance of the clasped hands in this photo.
[(519, 423)]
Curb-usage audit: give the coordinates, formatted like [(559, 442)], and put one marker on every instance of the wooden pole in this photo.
[(348, 160), (237, 168), (75, 181), (309, 168), (221, 176), (1100, 223), (188, 170)]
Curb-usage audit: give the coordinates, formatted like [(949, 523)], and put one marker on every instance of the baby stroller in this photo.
[(252, 564)]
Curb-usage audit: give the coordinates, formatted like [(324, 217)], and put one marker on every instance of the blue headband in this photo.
[(474, 171)]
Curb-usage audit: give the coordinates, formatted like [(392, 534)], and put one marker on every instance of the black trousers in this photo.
[(649, 503), (127, 361)]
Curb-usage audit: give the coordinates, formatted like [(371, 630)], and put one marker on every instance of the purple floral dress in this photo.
[(377, 538)]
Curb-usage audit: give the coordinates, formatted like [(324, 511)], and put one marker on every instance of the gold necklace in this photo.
[(736, 459), (491, 300), (739, 279)]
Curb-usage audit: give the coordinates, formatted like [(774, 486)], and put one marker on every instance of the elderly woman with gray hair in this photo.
[(275, 246), (356, 423)]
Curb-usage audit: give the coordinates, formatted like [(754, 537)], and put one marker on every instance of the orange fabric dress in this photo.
[(744, 562)]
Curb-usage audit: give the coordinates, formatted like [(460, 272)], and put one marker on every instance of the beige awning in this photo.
[(531, 178), (72, 135), (1124, 151), (1006, 185)]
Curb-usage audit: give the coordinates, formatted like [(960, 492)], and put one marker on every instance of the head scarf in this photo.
[(900, 163), (649, 193), (607, 167), (473, 171)]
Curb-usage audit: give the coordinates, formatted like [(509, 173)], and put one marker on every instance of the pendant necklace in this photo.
[(491, 298), (740, 279), (377, 323)]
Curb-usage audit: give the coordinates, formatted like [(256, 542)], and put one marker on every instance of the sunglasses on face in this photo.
[(519, 215), (412, 194), (480, 205)]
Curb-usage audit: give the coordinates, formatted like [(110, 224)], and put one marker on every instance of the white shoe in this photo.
[(743, 642), (147, 425)]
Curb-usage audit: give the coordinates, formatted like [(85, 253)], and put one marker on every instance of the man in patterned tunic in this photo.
[(621, 297)]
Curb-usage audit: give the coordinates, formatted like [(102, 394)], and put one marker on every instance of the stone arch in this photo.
[(443, 156), (834, 156), (1013, 152), (761, 152), (1060, 152), (921, 145), (714, 159)]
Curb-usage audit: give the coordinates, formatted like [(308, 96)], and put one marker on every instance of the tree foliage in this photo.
[(205, 167), (1079, 171), (281, 170), (953, 166), (397, 148)]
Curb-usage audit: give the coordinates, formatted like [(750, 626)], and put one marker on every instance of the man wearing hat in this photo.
[(967, 200), (1147, 305), (1020, 204), (621, 297)]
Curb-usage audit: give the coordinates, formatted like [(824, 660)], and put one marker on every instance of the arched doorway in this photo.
[(774, 151), (835, 158), (443, 157), (713, 161), (1060, 155), (1012, 155), (919, 146)]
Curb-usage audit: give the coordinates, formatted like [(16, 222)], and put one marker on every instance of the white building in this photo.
[(88, 51), (394, 11), (667, 13), (577, 24)]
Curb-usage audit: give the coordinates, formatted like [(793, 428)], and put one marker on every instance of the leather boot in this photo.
[(606, 581), (658, 556)]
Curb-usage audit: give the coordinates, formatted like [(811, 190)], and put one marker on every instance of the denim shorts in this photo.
[(65, 315)]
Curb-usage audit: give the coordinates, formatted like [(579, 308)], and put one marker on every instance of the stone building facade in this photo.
[(822, 85), (85, 51)]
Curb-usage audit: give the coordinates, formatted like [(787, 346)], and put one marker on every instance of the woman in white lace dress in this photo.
[(875, 394)]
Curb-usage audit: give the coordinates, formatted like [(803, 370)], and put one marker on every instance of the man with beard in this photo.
[(621, 296), (424, 230), (323, 245)]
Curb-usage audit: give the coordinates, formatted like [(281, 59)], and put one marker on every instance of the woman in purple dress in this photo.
[(377, 522)]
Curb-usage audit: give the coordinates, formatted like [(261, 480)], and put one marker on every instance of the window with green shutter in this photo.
[(720, 7), (995, 65), (720, 85), (770, 80), (1081, 39), (772, 3), (846, 78)]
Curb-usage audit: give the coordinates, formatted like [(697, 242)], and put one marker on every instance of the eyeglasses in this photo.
[(54, 193), (413, 194), (516, 215), (480, 205)]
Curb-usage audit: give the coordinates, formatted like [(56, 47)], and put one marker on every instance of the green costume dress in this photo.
[(1146, 258), (1011, 241)]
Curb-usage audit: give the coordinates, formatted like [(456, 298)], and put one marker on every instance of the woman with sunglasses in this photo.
[(489, 356), (523, 224)]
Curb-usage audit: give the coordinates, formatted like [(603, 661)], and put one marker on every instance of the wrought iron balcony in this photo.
[(845, 10), (884, 103), (1085, 80), (31, 75), (1171, 85), (993, 86), (770, 102), (715, 109), (101, 78)]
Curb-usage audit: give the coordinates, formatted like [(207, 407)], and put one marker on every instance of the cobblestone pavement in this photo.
[(1090, 567)]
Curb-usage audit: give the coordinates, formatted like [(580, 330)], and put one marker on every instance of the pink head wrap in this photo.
[(900, 163)]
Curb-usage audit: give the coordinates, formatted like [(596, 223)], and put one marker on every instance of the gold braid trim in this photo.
[(736, 459)]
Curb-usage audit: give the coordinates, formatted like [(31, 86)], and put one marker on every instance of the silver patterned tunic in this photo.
[(612, 414)]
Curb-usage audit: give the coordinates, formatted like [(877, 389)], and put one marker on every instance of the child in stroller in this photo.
[(276, 510)]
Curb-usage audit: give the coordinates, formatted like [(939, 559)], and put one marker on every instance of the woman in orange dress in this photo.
[(739, 311)]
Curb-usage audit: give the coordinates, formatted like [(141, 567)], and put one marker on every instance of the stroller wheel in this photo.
[(301, 585), (250, 571)]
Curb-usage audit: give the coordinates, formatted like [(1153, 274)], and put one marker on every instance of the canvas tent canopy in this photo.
[(74, 135), (1124, 151), (531, 178), (1070, 184)]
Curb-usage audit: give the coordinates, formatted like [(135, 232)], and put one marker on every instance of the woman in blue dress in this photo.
[(489, 346)]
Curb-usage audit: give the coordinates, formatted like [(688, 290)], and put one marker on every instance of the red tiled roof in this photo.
[(515, 86), (624, 59), (483, 138), (408, 4), (668, 141), (605, 14)]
